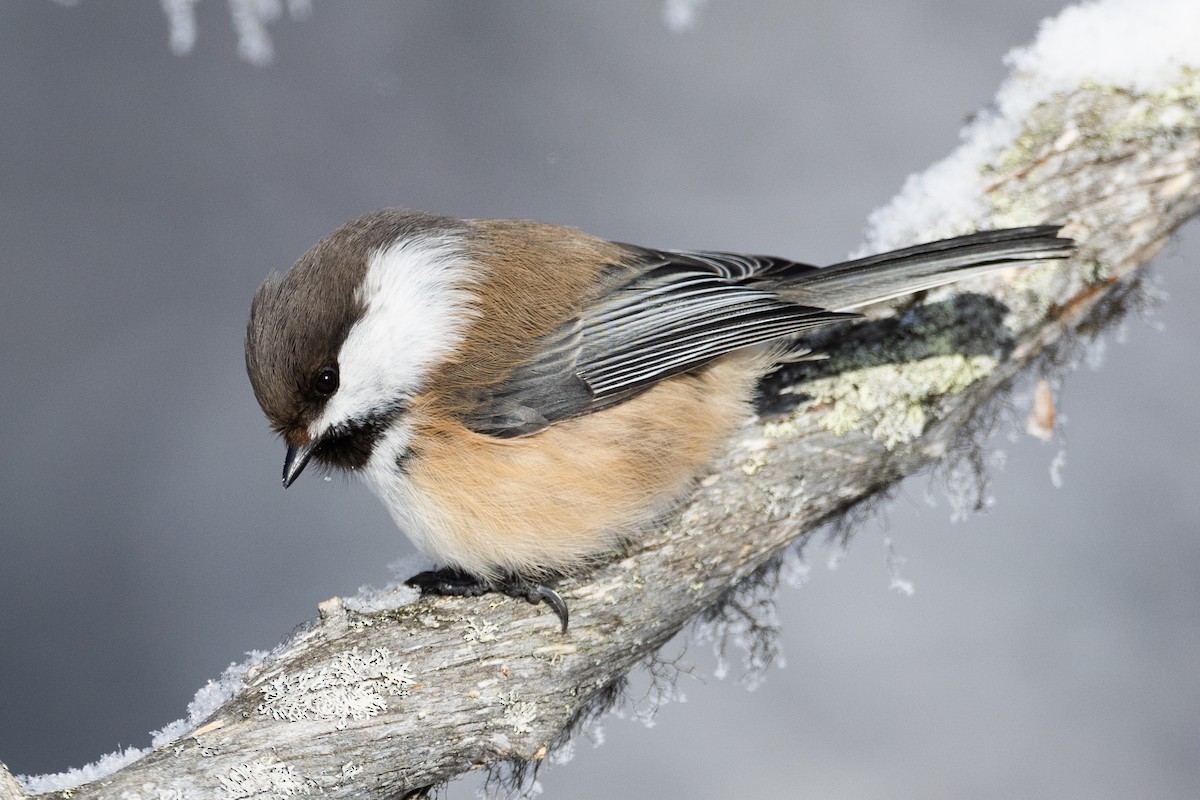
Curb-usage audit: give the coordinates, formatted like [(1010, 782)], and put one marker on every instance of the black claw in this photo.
[(537, 593), (450, 582), (555, 601)]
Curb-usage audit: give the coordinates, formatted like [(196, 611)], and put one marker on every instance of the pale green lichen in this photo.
[(475, 630), (1038, 287), (1047, 163), (1161, 117), (352, 685), (267, 777), (779, 429), (892, 401), (1096, 120), (518, 714), (754, 463)]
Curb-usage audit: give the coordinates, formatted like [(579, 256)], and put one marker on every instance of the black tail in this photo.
[(851, 284)]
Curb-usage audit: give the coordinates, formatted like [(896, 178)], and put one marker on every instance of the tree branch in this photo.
[(379, 704)]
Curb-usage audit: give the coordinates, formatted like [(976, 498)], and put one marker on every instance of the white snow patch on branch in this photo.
[(1140, 45), (64, 781), (208, 699), (369, 600)]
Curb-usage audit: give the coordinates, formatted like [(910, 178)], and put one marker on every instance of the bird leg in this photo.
[(450, 582)]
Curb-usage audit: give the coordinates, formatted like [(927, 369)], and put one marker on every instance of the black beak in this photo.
[(294, 461)]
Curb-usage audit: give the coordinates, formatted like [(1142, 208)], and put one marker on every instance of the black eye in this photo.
[(326, 381)]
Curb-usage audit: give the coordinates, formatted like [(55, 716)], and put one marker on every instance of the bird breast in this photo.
[(544, 503)]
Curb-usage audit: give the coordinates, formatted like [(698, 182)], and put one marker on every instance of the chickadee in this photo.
[(524, 396)]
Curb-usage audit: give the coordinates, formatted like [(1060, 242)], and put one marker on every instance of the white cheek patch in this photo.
[(418, 305)]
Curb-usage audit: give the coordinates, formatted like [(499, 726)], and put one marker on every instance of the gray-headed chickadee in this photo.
[(524, 396)]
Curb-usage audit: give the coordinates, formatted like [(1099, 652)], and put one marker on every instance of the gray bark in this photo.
[(9, 790), (376, 705)]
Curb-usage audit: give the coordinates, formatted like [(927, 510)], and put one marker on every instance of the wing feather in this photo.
[(677, 311)]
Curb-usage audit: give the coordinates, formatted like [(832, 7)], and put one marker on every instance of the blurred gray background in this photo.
[(1052, 646)]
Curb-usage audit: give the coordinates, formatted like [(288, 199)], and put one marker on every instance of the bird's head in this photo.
[(338, 347)]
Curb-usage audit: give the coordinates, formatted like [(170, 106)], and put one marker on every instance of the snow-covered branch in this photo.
[(383, 696)]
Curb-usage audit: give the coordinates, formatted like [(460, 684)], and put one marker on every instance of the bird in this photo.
[(525, 397)]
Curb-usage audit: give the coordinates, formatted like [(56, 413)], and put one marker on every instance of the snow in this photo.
[(1140, 45), (208, 699), (898, 582), (370, 600), (681, 16), (248, 17), (100, 768), (1056, 468)]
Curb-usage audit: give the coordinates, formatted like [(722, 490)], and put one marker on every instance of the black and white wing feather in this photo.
[(678, 311), (683, 311)]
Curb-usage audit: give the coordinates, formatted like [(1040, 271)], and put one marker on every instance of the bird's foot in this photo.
[(450, 582)]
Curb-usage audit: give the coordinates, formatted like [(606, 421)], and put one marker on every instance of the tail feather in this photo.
[(852, 284)]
